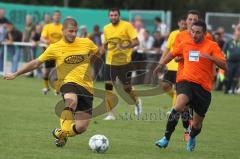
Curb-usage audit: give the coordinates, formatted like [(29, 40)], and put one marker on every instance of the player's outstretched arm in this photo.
[(134, 42), (28, 67), (163, 61)]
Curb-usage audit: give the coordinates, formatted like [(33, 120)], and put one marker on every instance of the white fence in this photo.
[(6, 64)]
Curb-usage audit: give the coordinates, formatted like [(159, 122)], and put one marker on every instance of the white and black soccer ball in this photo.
[(98, 143)]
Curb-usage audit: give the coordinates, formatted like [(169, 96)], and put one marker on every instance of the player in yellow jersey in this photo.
[(72, 56), (170, 75), (51, 34), (119, 39)]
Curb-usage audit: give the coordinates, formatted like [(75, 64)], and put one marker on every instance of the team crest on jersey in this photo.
[(74, 59), (115, 42)]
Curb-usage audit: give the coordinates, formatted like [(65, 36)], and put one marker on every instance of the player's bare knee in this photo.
[(70, 100), (70, 103), (81, 128)]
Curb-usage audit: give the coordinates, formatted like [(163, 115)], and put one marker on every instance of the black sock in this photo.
[(227, 85), (234, 85), (171, 123), (194, 132), (185, 119)]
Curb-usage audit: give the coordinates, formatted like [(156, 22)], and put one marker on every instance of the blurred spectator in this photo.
[(146, 46), (46, 19), (14, 35), (220, 30), (35, 40), (29, 27), (225, 36), (139, 26), (3, 19), (137, 22), (232, 51), (158, 41), (96, 36), (147, 43), (3, 32), (83, 31), (160, 26), (98, 64), (218, 37)]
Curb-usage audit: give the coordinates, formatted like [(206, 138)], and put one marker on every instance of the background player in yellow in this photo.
[(170, 75), (51, 33), (72, 57), (119, 39), (172, 66)]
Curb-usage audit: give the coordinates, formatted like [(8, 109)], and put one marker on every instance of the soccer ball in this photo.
[(98, 143)]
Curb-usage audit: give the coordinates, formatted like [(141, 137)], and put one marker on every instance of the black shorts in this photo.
[(170, 76), (85, 98), (50, 64), (123, 72), (199, 98)]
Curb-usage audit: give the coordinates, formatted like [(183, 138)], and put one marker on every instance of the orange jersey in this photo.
[(197, 68), (184, 36)]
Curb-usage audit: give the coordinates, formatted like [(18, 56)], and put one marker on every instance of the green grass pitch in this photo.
[(27, 118)]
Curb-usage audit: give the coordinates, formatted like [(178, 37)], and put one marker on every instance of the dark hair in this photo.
[(194, 12), (158, 19), (147, 31), (69, 21), (202, 24), (183, 17), (57, 11), (9, 23), (114, 10)]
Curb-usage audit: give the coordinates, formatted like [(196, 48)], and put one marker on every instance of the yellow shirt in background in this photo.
[(52, 32), (172, 65), (72, 61), (121, 34)]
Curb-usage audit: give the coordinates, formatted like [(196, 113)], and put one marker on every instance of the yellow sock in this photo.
[(171, 93), (46, 84), (67, 122), (109, 99), (133, 96), (174, 98)]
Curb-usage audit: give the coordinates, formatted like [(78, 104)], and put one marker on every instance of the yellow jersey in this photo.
[(52, 32), (120, 35), (72, 61), (172, 65)]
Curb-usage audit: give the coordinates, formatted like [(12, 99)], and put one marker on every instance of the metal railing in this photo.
[(5, 52)]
